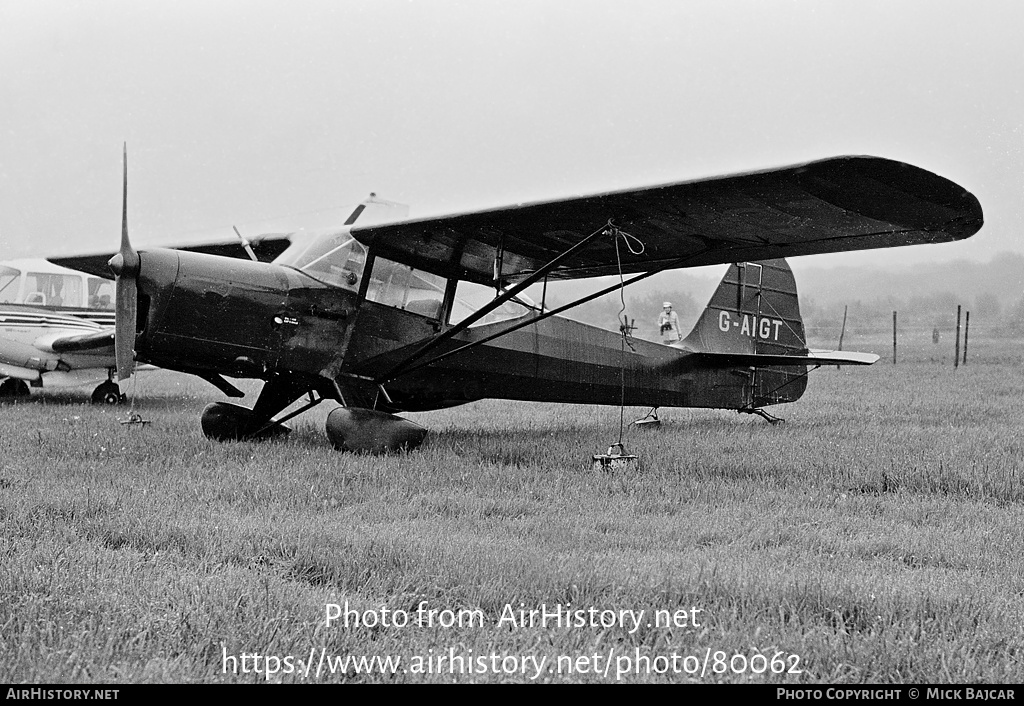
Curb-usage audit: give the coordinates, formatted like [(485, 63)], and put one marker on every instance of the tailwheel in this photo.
[(108, 393), (370, 431), (13, 389), (771, 419), (223, 421)]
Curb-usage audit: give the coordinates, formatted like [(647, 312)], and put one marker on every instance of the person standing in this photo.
[(668, 324)]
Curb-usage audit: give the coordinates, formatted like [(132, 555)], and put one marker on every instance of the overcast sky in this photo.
[(274, 115)]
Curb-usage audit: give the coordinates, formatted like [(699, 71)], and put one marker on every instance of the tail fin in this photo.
[(753, 311), (752, 327), (752, 331)]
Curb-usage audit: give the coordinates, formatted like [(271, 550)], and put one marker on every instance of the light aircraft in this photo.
[(56, 330), (381, 318)]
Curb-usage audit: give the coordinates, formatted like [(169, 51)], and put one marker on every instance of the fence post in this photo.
[(956, 356), (967, 331), (894, 338), (842, 331)]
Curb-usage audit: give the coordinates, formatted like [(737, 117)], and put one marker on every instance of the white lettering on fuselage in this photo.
[(750, 325)]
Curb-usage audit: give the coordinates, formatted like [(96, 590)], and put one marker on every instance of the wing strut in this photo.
[(505, 296), (403, 369)]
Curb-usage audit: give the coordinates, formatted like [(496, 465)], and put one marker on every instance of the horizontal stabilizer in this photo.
[(756, 360), (842, 357)]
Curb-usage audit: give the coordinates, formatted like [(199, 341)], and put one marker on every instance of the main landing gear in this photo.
[(370, 431), (108, 393), (223, 421), (348, 428), (13, 389)]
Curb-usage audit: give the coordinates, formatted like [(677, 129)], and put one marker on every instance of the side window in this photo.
[(101, 293), (469, 297), (53, 290), (406, 288), (9, 279)]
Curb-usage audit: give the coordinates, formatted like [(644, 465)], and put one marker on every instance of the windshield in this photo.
[(9, 278), (101, 293), (333, 257)]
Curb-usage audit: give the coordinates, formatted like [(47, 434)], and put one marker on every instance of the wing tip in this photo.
[(944, 206)]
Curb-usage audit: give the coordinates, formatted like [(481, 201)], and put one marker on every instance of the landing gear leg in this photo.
[(108, 393)]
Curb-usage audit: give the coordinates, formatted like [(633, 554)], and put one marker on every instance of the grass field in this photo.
[(874, 537)]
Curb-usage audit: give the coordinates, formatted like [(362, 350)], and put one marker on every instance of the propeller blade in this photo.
[(126, 246), (125, 265), (124, 332)]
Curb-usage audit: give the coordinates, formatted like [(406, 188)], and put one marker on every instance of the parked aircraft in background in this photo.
[(370, 316), (56, 330), (57, 324)]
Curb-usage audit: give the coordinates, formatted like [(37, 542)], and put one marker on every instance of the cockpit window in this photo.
[(53, 289), (470, 297), (334, 258), (101, 293), (404, 287), (9, 278)]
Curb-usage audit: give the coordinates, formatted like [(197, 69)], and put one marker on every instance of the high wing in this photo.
[(833, 205), (266, 247)]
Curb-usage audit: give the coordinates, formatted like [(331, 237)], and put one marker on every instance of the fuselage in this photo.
[(339, 318)]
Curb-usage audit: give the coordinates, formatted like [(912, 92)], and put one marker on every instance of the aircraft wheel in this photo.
[(108, 393), (369, 431), (13, 388), (222, 421)]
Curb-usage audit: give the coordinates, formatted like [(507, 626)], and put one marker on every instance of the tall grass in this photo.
[(876, 534)]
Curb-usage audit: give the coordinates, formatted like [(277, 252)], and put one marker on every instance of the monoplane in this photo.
[(56, 330), (429, 313)]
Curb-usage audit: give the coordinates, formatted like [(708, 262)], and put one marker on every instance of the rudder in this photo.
[(754, 310)]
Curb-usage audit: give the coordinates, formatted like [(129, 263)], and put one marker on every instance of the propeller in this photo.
[(125, 266)]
